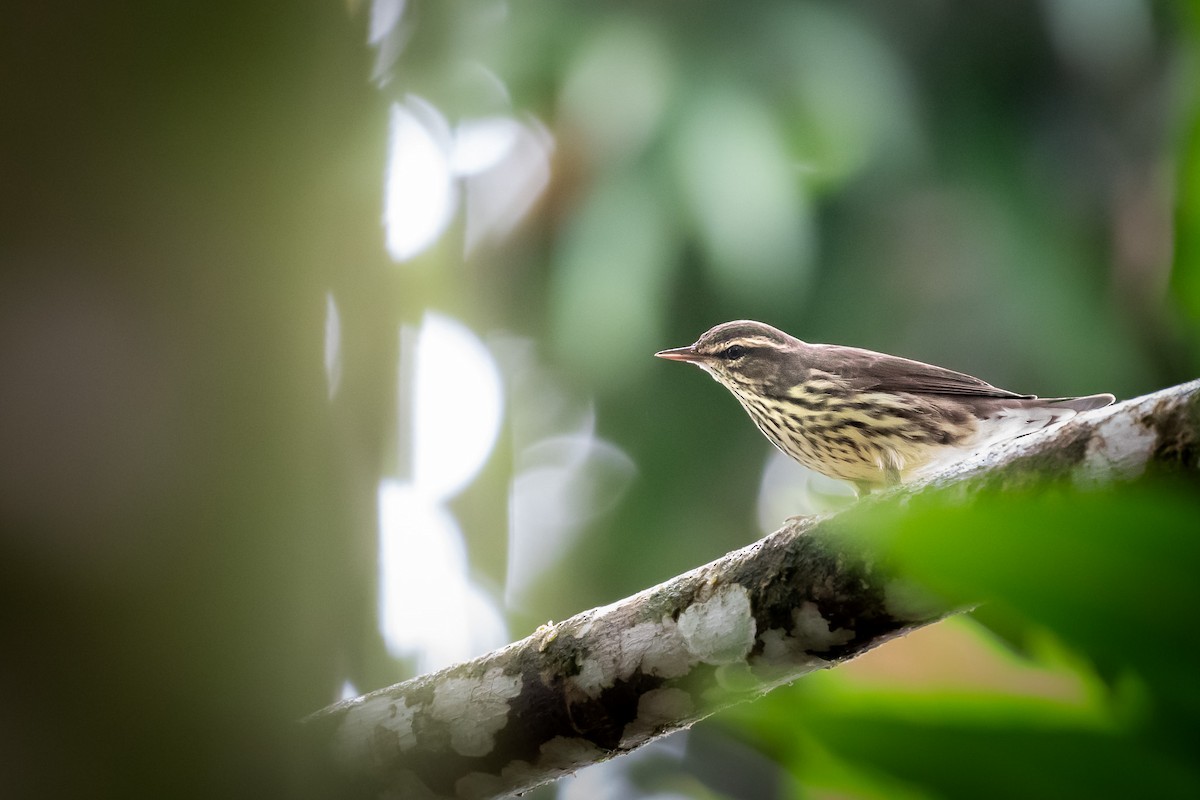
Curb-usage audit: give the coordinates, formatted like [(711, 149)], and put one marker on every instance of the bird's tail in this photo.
[(1009, 419), (1006, 419), (1092, 401)]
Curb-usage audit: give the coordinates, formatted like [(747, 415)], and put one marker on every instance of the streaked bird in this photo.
[(865, 417)]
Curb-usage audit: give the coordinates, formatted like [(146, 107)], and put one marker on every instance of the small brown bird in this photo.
[(865, 417)]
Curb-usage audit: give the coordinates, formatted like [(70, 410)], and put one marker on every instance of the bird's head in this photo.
[(741, 354)]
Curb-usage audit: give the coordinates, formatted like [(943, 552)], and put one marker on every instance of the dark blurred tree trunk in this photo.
[(179, 193)]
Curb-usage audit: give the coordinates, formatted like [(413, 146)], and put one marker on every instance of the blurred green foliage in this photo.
[(1108, 575)]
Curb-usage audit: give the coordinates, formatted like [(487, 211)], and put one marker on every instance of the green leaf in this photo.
[(1112, 573)]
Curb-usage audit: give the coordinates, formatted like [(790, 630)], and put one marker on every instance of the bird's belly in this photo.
[(878, 460), (871, 441)]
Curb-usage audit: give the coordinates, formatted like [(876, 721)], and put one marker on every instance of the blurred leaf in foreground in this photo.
[(1110, 575), (1113, 574)]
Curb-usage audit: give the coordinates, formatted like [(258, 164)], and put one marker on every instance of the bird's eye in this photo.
[(733, 352)]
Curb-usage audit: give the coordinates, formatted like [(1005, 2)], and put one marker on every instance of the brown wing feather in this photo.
[(868, 370)]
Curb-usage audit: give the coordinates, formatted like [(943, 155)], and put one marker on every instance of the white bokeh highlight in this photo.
[(430, 609), (385, 17), (419, 192), (333, 346), (457, 406), (500, 192), (498, 163)]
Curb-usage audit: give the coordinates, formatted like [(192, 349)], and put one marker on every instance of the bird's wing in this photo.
[(868, 370)]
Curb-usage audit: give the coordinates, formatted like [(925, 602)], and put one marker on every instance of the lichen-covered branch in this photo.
[(611, 679)]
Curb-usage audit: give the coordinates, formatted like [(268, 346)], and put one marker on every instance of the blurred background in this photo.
[(325, 360)]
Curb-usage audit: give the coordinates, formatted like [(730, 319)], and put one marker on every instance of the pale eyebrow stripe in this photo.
[(755, 341)]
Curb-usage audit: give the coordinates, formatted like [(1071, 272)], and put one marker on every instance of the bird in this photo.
[(872, 419)]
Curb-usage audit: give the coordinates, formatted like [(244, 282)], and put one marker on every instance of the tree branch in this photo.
[(611, 679)]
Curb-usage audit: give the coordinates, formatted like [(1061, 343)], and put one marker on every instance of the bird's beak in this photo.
[(681, 354)]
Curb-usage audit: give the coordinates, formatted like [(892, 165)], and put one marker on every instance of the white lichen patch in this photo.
[(653, 647), (593, 677), (567, 754), (783, 659), (632, 646), (557, 757), (786, 656), (778, 648), (813, 630), (668, 657), (1117, 451), (719, 630), (521, 773), (657, 709), (661, 706), (474, 709), (582, 623), (606, 665), (595, 674), (361, 728)]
